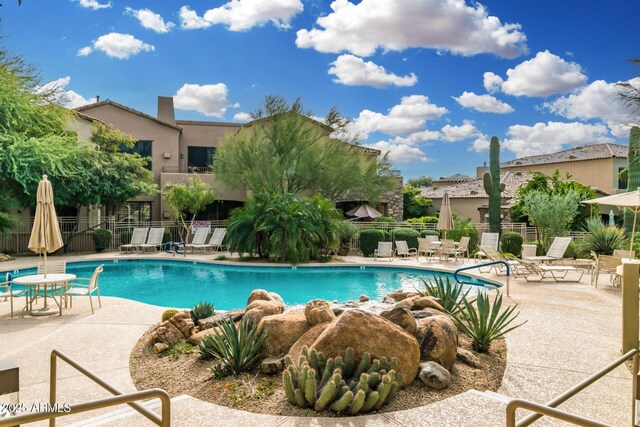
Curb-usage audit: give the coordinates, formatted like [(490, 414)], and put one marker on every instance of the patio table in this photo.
[(34, 281)]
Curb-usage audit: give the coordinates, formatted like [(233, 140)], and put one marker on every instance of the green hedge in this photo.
[(102, 239), (408, 234), (369, 240), (423, 220), (426, 233), (384, 219), (511, 243)]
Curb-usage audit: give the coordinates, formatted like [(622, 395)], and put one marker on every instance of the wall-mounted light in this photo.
[(167, 154)]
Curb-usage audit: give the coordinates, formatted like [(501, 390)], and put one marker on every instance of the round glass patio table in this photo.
[(34, 281)]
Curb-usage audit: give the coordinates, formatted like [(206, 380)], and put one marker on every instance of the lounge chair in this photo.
[(555, 253), (198, 240), (138, 237), (77, 289), (154, 240), (488, 240), (493, 255), (8, 293), (525, 270), (403, 249), (215, 243), (385, 250), (427, 247), (607, 264)]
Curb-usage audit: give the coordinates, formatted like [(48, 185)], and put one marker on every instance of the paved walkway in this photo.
[(572, 331)]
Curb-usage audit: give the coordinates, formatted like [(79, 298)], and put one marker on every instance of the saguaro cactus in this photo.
[(633, 171), (493, 187)]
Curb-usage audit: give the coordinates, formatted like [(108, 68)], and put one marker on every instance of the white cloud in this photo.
[(353, 71), (445, 25), (483, 103), (598, 100), (94, 4), (406, 118), (543, 75), (544, 138), (241, 15), (400, 153), (151, 20), (458, 133), (242, 117), (482, 143), (117, 45), (210, 100), (417, 137), (492, 82), (66, 98)]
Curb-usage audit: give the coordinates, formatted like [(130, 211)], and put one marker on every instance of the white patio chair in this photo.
[(539, 272), (463, 247), (8, 293), (138, 237), (385, 250), (404, 251), (215, 243), (154, 240), (427, 247), (78, 289), (555, 253), (198, 240), (488, 240)]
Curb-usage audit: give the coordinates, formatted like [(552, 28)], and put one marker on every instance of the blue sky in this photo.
[(430, 81)]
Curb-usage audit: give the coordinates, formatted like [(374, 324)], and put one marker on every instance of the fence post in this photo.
[(630, 312)]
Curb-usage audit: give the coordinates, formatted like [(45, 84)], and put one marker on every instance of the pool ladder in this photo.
[(486, 264)]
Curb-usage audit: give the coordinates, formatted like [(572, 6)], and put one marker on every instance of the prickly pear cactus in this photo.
[(632, 172), (493, 187), (339, 384)]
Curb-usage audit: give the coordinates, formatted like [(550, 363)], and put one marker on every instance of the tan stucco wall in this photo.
[(83, 127), (600, 173), (464, 208), (201, 134)]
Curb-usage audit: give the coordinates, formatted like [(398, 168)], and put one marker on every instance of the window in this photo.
[(133, 212), (200, 158), (622, 180), (143, 148)]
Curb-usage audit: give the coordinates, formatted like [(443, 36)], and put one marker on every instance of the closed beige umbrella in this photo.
[(445, 221), (45, 234)]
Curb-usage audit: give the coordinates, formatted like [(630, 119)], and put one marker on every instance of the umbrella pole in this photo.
[(633, 230), (45, 264)]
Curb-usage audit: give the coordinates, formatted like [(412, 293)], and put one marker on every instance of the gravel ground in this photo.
[(187, 374)]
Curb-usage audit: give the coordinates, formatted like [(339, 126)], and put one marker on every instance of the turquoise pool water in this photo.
[(183, 284)]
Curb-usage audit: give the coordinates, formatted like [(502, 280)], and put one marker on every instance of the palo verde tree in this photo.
[(186, 200), (285, 151)]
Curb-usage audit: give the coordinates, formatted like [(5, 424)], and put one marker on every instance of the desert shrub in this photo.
[(102, 239), (167, 237), (572, 251), (346, 232), (423, 220), (237, 349), (408, 234), (342, 385), (201, 310), (168, 314), (464, 227), (384, 219), (511, 243), (426, 233), (369, 240), (451, 293), (602, 239)]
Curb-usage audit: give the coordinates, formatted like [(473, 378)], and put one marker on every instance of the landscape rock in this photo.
[(277, 297), (197, 338), (435, 376), (367, 332), (438, 338), (272, 365), (233, 315), (306, 340), (281, 331), (425, 312), (262, 308), (179, 327), (159, 347), (401, 317), (363, 298), (419, 302), (259, 295), (337, 310), (398, 296), (469, 358), (318, 311)]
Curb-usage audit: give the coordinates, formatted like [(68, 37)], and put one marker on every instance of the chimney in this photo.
[(480, 170), (165, 110), (97, 98)]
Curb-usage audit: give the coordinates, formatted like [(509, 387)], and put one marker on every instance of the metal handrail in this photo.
[(119, 398), (486, 264), (549, 408)]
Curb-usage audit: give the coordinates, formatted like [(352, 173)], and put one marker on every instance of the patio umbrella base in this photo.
[(44, 311)]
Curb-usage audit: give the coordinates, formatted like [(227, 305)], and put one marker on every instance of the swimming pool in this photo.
[(185, 283)]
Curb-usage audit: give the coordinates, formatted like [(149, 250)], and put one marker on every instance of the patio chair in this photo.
[(555, 253), (78, 289), (488, 240), (607, 264), (385, 250), (154, 240), (404, 251), (493, 255), (215, 243), (8, 293), (138, 237), (463, 247), (53, 267), (525, 270), (198, 240), (448, 249), (427, 247)]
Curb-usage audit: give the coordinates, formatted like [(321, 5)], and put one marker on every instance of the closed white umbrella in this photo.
[(45, 234), (445, 220)]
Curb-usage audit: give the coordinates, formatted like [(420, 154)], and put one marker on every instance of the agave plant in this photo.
[(485, 323), (201, 310), (236, 348), (602, 239), (451, 294)]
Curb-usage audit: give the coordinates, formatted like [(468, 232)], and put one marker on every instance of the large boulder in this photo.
[(179, 327), (401, 317), (198, 337), (438, 338), (260, 295), (210, 322), (398, 296), (281, 331), (306, 340), (367, 332), (259, 309), (318, 311), (419, 302)]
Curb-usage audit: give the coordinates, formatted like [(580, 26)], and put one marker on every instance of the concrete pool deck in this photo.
[(573, 330)]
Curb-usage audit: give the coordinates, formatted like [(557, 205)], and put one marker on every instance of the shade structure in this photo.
[(364, 211), (45, 234), (445, 221), (629, 200)]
